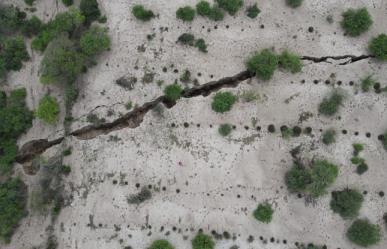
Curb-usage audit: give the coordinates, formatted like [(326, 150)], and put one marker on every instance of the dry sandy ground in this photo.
[(219, 181)]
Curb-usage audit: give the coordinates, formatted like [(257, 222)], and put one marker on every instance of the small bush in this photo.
[(203, 8), (323, 174), (346, 203), (223, 102), (364, 233), (328, 136), (357, 148), (201, 45), (297, 178), (13, 52), (94, 41), (356, 21), (263, 64), (90, 10), (202, 241), (290, 62), (216, 14), (253, 11), (186, 39), (264, 213), (294, 3), (140, 197), (330, 105), (13, 201), (378, 47), (361, 168), (186, 13), (173, 92), (142, 14), (161, 244), (29, 2), (11, 19), (357, 160), (68, 2), (367, 83), (225, 129), (48, 110), (32, 27), (231, 6)]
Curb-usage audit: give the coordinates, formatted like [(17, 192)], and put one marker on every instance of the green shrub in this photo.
[(253, 11), (94, 41), (297, 178), (364, 233), (140, 197), (378, 47), (290, 62), (330, 105), (328, 136), (173, 92), (346, 203), (187, 39), (361, 168), (161, 244), (62, 63), (90, 10), (356, 21), (357, 160), (142, 14), (68, 2), (216, 14), (186, 13), (3, 100), (231, 6), (225, 129), (202, 241), (294, 3), (13, 201), (323, 174), (8, 149), (48, 110), (264, 213), (357, 148), (201, 45), (263, 64), (10, 19), (203, 8), (367, 83), (13, 52), (32, 27), (223, 102)]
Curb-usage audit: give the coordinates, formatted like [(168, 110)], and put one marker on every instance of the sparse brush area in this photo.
[(313, 179), (378, 47), (144, 195), (331, 104), (294, 3), (142, 14), (48, 110), (203, 241), (173, 92), (231, 6), (161, 244), (362, 166), (356, 21), (13, 201), (367, 83), (364, 233), (204, 8), (328, 137), (225, 129), (186, 13), (189, 40), (223, 102), (263, 64), (264, 213), (346, 203)]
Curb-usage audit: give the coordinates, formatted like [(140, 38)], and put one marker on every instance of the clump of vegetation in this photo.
[(11, 18), (263, 64), (203, 241), (90, 10), (203, 8), (161, 244), (378, 47), (12, 54), (356, 21), (364, 233), (385, 218), (264, 213), (290, 62), (313, 180), (330, 105), (367, 83), (362, 166), (225, 129), (29, 2), (142, 14), (253, 11), (357, 148), (94, 41), (189, 40), (294, 3), (186, 13), (173, 92), (346, 203), (201, 45), (384, 140), (223, 102), (32, 26), (13, 201), (140, 197), (328, 136), (48, 110), (68, 2), (231, 6)]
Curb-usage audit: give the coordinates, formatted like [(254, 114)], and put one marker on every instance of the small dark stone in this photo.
[(310, 29)]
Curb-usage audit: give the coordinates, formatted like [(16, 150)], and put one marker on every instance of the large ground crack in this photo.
[(135, 117)]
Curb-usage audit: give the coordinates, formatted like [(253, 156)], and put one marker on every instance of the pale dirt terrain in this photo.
[(220, 180)]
